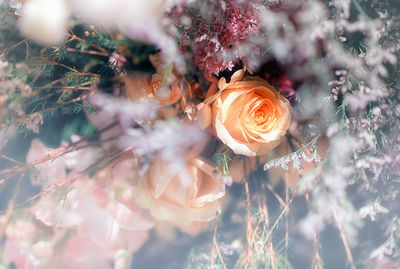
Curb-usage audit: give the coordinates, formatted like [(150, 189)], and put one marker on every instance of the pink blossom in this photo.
[(91, 207), (13, 252), (55, 169), (21, 235), (94, 213), (70, 251), (80, 253), (222, 41), (51, 171)]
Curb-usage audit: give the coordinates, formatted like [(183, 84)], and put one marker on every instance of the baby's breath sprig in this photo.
[(296, 157)]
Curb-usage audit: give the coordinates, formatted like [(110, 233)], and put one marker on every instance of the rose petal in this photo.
[(129, 220), (52, 170), (204, 115), (238, 75), (137, 88), (226, 138)]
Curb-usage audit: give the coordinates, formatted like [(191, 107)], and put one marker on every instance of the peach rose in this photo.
[(168, 96), (181, 197), (166, 86), (247, 114), (142, 88)]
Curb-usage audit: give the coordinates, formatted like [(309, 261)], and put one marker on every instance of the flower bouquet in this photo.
[(199, 134)]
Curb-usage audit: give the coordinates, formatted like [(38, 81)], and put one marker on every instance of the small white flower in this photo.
[(45, 21)]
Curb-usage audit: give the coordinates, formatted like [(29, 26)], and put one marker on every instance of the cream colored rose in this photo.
[(247, 114), (181, 197)]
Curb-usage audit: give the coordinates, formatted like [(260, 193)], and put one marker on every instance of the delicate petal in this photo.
[(204, 115), (129, 220), (237, 76), (52, 170), (226, 138), (137, 87)]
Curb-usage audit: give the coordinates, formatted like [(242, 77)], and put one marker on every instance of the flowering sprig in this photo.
[(308, 153)]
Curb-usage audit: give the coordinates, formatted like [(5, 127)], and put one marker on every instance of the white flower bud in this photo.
[(45, 21), (118, 14)]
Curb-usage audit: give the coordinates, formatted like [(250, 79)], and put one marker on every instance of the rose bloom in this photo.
[(141, 87), (166, 87), (247, 114), (179, 196)]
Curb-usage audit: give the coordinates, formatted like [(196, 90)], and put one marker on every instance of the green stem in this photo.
[(360, 10)]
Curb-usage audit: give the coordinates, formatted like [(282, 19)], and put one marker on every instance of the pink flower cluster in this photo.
[(219, 41)]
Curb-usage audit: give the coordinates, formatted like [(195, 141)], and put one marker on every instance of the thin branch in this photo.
[(11, 205), (8, 50), (215, 246), (344, 240)]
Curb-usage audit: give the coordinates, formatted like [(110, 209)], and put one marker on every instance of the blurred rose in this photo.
[(94, 208), (45, 21), (167, 96), (248, 114), (181, 197), (91, 208), (166, 92), (87, 217), (137, 86), (50, 171), (166, 87)]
